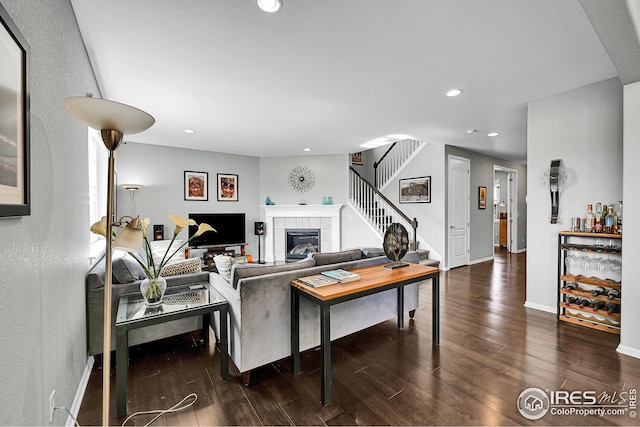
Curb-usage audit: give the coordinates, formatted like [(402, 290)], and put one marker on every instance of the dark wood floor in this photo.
[(492, 348)]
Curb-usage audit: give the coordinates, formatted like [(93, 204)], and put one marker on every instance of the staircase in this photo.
[(398, 153), (377, 209)]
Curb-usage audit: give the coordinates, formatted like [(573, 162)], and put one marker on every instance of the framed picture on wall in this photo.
[(227, 187), (482, 197), (415, 190), (196, 185), (357, 159), (15, 194)]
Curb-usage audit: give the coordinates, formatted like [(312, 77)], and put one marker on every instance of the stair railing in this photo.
[(379, 210), (392, 160)]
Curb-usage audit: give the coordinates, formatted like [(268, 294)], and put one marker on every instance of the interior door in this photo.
[(458, 208)]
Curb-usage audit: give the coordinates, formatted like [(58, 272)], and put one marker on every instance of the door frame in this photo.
[(512, 205), (449, 209)]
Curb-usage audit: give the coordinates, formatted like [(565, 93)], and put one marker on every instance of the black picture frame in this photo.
[(227, 187), (482, 197), (415, 190), (196, 186), (15, 130)]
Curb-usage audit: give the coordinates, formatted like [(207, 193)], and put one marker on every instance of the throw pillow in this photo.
[(250, 270), (159, 248), (224, 264), (191, 265), (126, 270)]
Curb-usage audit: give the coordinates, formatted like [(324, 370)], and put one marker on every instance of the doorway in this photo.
[(505, 208)]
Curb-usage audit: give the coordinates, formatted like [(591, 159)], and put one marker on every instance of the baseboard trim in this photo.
[(82, 387), (628, 351), (540, 307), (478, 261)]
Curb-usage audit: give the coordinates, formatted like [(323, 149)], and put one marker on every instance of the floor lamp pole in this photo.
[(111, 139)]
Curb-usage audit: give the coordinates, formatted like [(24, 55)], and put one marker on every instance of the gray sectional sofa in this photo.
[(260, 306), (127, 275)]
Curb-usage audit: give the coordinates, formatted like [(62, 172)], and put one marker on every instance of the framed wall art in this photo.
[(15, 193), (482, 197), (227, 187), (196, 185), (415, 190), (357, 158)]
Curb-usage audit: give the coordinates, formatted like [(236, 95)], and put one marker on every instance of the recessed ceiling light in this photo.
[(189, 131), (307, 149), (454, 92), (493, 134), (270, 6)]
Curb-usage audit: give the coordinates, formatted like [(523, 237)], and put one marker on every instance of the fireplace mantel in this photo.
[(279, 217)]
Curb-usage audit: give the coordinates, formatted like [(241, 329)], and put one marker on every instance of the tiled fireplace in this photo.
[(280, 218)]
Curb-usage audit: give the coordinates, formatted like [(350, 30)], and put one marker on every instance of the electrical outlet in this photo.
[(52, 405)]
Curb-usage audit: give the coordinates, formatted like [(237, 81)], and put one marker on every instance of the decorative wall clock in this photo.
[(301, 179)]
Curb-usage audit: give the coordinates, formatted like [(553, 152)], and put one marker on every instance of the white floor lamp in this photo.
[(113, 120)]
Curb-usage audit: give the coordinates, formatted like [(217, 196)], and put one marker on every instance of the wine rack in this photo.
[(592, 298)]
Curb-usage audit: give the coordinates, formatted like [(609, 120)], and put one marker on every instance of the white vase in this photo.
[(153, 290)]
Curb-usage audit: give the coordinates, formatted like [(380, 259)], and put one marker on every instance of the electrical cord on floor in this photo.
[(161, 412), (55, 408)]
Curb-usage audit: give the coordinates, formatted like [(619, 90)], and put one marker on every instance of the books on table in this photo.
[(317, 280), (341, 275)]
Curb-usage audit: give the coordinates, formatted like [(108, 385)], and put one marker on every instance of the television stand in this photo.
[(212, 251)]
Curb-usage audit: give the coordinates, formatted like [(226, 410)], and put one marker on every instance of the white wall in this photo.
[(630, 338), (583, 127), (161, 170), (43, 257)]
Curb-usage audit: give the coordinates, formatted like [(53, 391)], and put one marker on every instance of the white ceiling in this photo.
[(332, 74)]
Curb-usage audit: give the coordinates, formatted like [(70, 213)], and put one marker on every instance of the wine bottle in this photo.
[(612, 307), (571, 286), (598, 223), (619, 218), (589, 220), (597, 305), (608, 221), (584, 302), (572, 300), (598, 291), (613, 293)]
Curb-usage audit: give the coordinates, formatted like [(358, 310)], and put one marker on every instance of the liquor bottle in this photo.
[(598, 291), (597, 305), (608, 221), (598, 223), (613, 293), (619, 218), (589, 220)]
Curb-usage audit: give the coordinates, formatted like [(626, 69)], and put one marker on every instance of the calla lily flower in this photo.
[(180, 223), (203, 228), (100, 227), (145, 224)]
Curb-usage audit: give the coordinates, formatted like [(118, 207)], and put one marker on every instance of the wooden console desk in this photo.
[(372, 280)]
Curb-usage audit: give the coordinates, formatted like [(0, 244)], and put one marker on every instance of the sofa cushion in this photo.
[(125, 269), (337, 257), (372, 252), (241, 271), (224, 264), (191, 265)]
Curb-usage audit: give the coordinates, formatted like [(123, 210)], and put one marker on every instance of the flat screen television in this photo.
[(230, 229)]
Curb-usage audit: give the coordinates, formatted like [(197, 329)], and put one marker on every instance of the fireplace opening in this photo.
[(301, 242)]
